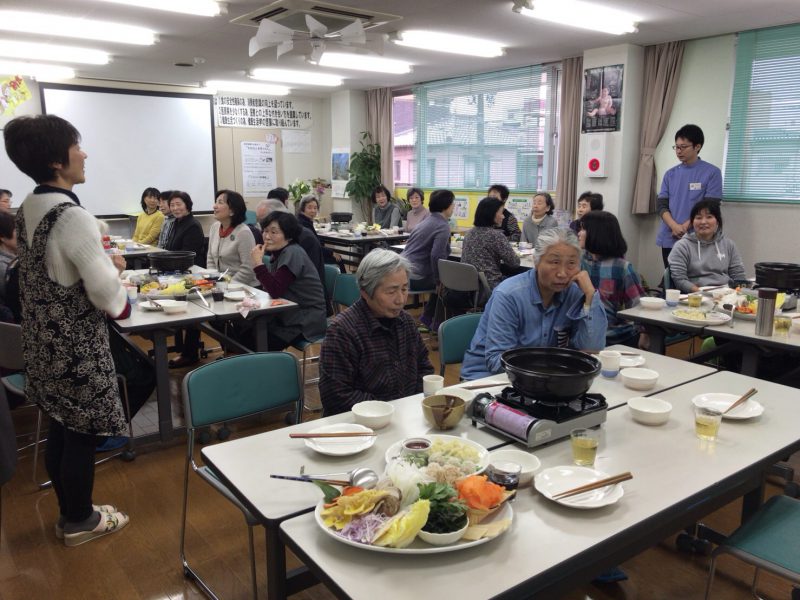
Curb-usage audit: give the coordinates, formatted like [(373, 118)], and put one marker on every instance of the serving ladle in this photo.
[(360, 477)]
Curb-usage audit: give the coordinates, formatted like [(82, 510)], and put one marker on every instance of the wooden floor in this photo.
[(142, 562)]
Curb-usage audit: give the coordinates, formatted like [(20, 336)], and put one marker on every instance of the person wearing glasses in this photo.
[(683, 186)]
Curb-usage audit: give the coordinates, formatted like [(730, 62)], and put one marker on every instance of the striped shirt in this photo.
[(366, 358), (166, 229)]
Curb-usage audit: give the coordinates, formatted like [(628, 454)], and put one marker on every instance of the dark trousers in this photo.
[(70, 464), (665, 256), (429, 312)]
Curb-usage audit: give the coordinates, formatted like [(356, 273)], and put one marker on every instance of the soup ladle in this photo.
[(360, 477)]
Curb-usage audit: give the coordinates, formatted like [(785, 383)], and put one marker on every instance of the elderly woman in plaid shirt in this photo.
[(614, 277)]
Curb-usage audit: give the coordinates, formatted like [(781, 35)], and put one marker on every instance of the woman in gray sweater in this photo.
[(542, 218), (704, 256)]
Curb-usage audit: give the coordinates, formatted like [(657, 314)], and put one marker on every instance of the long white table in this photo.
[(551, 548), (659, 324), (245, 465)]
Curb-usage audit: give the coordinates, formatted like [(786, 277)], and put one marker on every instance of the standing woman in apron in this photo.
[(68, 286)]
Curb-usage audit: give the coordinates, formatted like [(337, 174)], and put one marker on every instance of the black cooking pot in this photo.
[(552, 375), (784, 276), (178, 260)]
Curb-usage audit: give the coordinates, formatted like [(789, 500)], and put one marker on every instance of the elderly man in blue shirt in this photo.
[(554, 304)]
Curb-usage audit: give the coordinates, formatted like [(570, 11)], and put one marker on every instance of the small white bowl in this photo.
[(172, 307), (373, 413), (652, 303), (442, 539), (637, 378), (649, 411), (529, 463)]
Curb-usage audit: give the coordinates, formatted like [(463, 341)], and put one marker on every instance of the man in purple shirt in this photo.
[(683, 186), (373, 351)]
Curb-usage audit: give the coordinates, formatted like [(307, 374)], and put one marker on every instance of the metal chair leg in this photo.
[(712, 568)]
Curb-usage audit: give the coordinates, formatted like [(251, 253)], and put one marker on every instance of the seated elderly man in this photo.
[(554, 304), (373, 350)]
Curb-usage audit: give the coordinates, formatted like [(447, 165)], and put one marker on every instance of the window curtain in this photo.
[(569, 132), (662, 72), (379, 125)]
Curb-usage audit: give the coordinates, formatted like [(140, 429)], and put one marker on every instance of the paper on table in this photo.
[(246, 305)]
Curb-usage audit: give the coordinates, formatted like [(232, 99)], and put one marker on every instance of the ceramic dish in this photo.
[(393, 451), (749, 410), (529, 463), (418, 546), (555, 480), (626, 362), (166, 305), (710, 318), (340, 446), (234, 296)]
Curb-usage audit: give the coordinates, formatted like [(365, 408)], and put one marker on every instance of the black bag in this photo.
[(12, 292), (137, 370)]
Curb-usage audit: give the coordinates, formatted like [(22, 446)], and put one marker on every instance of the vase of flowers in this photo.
[(319, 185)]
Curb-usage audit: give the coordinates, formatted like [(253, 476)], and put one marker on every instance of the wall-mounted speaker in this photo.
[(594, 160)]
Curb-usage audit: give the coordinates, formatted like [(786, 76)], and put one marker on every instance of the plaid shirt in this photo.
[(363, 358), (620, 287), (166, 229)]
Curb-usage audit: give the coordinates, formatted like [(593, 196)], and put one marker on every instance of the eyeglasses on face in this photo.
[(683, 147)]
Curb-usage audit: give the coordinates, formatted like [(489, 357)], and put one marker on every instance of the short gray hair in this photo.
[(271, 205), (551, 237), (305, 201), (378, 264)]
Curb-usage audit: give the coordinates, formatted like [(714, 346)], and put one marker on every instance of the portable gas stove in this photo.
[(533, 422)]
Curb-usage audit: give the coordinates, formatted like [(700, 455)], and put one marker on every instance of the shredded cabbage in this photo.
[(406, 477), (363, 529)]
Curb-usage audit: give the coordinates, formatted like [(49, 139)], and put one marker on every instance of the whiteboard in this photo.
[(137, 139)]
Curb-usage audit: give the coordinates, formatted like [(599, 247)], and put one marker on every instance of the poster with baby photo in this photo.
[(602, 99)]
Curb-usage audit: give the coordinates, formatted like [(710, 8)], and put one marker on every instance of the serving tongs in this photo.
[(153, 302), (197, 290)]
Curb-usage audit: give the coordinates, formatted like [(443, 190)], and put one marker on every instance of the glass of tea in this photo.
[(695, 300), (782, 326), (706, 423), (584, 446)]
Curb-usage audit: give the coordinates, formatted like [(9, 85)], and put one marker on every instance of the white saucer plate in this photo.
[(719, 401)]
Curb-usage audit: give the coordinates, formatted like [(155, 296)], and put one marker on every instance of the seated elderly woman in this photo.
[(553, 304), (373, 351), (306, 213), (290, 274), (614, 277), (485, 245), (704, 256), (148, 223), (186, 233), (385, 212), (541, 218), (418, 212), (429, 242)]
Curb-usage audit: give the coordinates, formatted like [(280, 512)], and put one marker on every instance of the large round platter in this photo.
[(393, 451), (719, 401), (711, 318), (340, 446), (418, 546), (555, 480)]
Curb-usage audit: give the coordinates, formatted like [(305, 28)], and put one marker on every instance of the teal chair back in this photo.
[(242, 385), (455, 336), (667, 281), (250, 217), (331, 274), (346, 291)]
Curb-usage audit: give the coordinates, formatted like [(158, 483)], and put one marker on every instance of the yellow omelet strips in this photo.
[(346, 507)]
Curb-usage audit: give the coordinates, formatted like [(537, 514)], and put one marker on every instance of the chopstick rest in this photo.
[(594, 485), (749, 394)]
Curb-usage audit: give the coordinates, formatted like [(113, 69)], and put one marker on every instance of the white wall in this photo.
[(348, 111), (762, 232)]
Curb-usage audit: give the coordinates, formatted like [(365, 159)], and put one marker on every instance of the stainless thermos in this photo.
[(765, 315)]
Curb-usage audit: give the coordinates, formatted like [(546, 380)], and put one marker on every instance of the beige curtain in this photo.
[(379, 124), (569, 132), (662, 71)]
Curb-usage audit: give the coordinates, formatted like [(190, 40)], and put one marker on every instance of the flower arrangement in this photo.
[(301, 187), (319, 185)]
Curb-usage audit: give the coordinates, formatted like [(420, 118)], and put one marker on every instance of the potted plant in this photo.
[(298, 189), (365, 174)]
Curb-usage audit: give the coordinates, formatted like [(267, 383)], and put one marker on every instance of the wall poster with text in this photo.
[(602, 99)]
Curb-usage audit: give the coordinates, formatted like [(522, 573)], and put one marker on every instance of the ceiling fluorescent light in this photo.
[(53, 25), (445, 42), (36, 51), (38, 71), (201, 8), (585, 15), (248, 88), (362, 62), (299, 77)]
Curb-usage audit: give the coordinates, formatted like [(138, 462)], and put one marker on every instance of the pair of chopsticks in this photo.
[(615, 479), (311, 479), (749, 394), (479, 386), (332, 434)]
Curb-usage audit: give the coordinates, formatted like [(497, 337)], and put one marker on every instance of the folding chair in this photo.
[(463, 277), (769, 541), (346, 291), (225, 390), (455, 336)]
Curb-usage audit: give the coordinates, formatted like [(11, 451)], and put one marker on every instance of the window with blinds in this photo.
[(471, 132), (762, 161)]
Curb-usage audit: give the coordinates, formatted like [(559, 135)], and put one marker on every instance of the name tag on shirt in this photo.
[(695, 186)]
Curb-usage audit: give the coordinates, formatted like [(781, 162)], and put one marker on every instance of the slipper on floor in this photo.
[(109, 523), (101, 508)]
